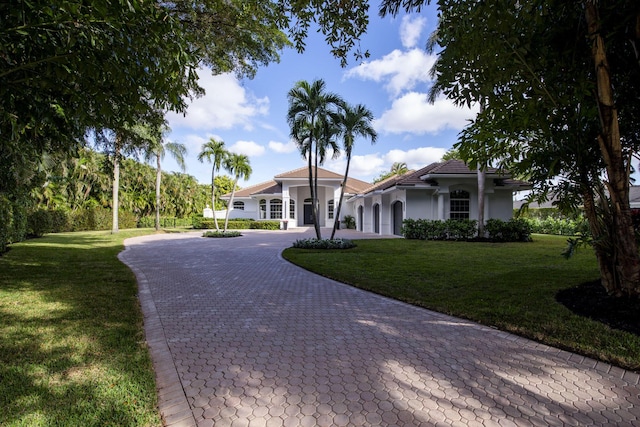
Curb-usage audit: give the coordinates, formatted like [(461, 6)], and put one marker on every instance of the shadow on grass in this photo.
[(71, 348)]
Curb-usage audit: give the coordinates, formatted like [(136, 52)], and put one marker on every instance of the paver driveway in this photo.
[(241, 337)]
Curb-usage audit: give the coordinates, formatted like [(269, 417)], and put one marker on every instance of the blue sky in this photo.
[(250, 115)]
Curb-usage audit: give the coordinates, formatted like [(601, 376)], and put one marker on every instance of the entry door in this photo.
[(308, 214), (397, 218)]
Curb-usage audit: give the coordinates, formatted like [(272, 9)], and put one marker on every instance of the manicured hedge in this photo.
[(201, 223), (165, 222), (515, 230)]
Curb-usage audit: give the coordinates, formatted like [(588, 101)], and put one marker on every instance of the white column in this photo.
[(441, 206)]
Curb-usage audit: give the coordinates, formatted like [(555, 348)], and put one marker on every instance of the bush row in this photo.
[(515, 230), (324, 244), (201, 223), (559, 226), (165, 222), (13, 222), (56, 221)]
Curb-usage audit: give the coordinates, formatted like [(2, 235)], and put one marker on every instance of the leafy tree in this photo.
[(157, 150), (312, 118), (214, 152), (559, 83), (397, 168), (238, 165), (354, 122)]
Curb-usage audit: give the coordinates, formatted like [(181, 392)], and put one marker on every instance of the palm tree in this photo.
[(399, 168), (310, 116), (238, 166), (215, 153), (158, 150), (355, 121)]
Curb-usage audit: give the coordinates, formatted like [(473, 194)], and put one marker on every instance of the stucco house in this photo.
[(287, 197), (439, 191)]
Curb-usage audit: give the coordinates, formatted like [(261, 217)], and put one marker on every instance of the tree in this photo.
[(354, 122), (399, 168), (215, 154), (238, 165), (312, 117), (157, 150), (560, 83)]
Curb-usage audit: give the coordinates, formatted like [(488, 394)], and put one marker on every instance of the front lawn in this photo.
[(72, 350), (511, 286)]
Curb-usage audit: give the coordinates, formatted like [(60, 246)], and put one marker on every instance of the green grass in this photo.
[(72, 349), (511, 286)]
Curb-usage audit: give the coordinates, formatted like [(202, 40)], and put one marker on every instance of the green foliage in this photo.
[(349, 222), (222, 234), (200, 223), (324, 244), (165, 222), (265, 225), (451, 229), (39, 222), (514, 230)]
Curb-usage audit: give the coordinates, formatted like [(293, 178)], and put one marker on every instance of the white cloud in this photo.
[(225, 105), (249, 148), (412, 113), (415, 158), (399, 70), (281, 147), (411, 29)]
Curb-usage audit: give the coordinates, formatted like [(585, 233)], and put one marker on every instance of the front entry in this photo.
[(397, 218), (308, 214)]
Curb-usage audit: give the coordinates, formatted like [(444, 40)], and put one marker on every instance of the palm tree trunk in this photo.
[(316, 199), (336, 216), (213, 197), (481, 180), (233, 191), (116, 185), (158, 179)]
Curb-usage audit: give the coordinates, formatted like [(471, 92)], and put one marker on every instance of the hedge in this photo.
[(515, 230), (201, 223)]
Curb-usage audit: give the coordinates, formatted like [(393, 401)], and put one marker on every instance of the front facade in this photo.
[(440, 191), (288, 198)]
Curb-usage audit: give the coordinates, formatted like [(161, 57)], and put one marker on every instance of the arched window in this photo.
[(275, 209), (263, 209), (459, 204), (292, 209), (330, 209), (238, 206)]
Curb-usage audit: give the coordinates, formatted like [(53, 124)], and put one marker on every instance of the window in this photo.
[(238, 206), (263, 209), (292, 209), (330, 209), (275, 209), (459, 204)]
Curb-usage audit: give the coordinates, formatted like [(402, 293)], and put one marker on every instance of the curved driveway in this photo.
[(241, 337)]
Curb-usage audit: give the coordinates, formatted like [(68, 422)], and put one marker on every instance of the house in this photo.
[(287, 197), (438, 191)]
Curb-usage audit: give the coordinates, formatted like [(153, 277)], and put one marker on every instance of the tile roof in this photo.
[(255, 189), (303, 172)]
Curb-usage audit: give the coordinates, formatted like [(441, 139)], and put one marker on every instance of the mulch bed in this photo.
[(591, 300)]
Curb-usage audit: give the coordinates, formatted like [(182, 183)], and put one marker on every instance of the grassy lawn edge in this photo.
[(509, 286)]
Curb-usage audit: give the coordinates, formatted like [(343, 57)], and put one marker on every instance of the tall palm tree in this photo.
[(238, 166), (215, 153), (354, 121), (157, 150), (311, 112)]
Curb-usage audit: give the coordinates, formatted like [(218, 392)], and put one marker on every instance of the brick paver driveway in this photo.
[(241, 337)]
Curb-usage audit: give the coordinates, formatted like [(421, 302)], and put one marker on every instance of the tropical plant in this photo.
[(157, 150), (312, 120), (238, 165), (354, 122), (214, 152)]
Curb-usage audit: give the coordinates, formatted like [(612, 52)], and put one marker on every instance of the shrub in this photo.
[(265, 225), (39, 222), (451, 229), (514, 230), (222, 234), (349, 222), (324, 244), (165, 222)]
